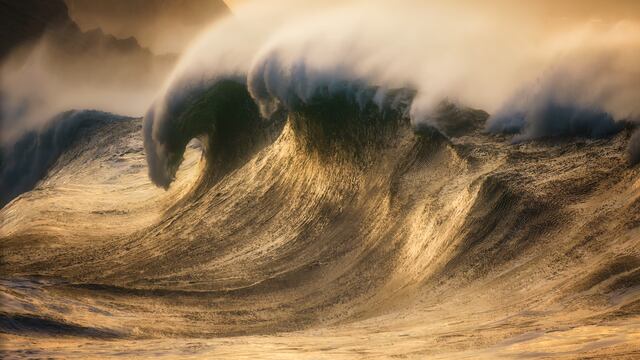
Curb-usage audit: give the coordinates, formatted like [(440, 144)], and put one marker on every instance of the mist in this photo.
[(66, 69), (166, 26), (105, 55), (591, 85)]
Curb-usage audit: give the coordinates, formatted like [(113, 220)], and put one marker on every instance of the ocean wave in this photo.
[(348, 189)]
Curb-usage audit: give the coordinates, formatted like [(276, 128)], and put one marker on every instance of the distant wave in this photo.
[(26, 161)]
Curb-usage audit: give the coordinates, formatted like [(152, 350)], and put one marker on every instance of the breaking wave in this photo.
[(583, 83)]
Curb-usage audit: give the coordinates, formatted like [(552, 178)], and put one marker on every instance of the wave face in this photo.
[(336, 221)]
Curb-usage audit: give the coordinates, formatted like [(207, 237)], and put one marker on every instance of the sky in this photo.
[(547, 10)]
